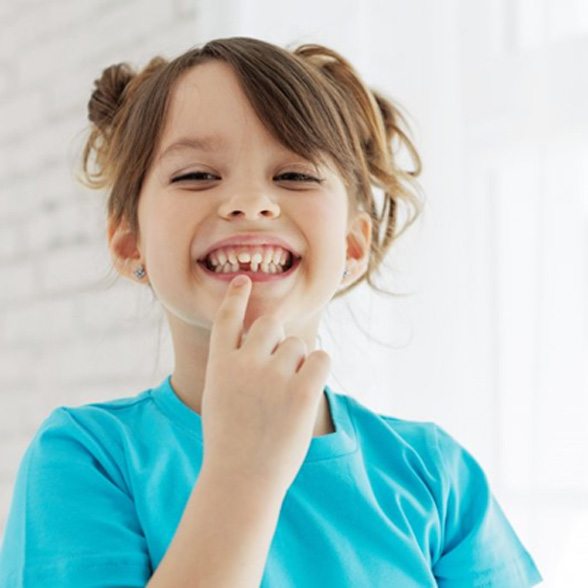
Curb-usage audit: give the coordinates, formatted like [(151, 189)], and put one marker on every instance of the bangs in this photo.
[(297, 106)]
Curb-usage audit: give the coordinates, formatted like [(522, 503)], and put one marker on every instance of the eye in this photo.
[(302, 177), (289, 176), (195, 176)]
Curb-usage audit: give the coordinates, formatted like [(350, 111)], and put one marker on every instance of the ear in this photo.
[(359, 239), (123, 247)]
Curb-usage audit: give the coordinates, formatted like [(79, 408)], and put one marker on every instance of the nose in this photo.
[(251, 202)]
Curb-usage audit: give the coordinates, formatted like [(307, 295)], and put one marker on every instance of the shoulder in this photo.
[(74, 478), (81, 420), (96, 433)]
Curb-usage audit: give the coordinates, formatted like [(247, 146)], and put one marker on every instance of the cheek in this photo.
[(323, 210), (332, 219), (177, 218)]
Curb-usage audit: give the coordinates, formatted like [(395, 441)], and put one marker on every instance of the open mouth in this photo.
[(257, 276)]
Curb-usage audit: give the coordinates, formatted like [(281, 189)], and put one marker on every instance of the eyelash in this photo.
[(191, 175)]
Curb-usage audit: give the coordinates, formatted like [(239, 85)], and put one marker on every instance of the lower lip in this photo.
[(255, 276)]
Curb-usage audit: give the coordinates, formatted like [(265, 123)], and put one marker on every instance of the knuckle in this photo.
[(272, 319), (266, 319), (322, 356), (268, 322), (224, 313), (296, 342), (224, 308)]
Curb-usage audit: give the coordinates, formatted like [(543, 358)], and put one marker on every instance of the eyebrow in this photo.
[(205, 143)]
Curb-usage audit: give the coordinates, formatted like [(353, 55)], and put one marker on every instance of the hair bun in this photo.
[(109, 94)]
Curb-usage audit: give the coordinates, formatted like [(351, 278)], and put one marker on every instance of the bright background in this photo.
[(491, 343)]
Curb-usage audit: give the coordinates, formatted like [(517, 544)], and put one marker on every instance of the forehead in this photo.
[(205, 81), (208, 93), (208, 110)]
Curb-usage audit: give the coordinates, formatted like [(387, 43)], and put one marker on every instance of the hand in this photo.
[(261, 395)]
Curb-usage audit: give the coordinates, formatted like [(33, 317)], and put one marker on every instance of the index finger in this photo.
[(228, 322)]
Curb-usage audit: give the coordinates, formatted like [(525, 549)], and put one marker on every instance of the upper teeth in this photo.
[(270, 259)]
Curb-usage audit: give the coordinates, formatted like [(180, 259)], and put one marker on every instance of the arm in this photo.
[(224, 535), (259, 406)]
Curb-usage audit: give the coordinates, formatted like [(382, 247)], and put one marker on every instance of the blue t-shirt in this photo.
[(381, 502)]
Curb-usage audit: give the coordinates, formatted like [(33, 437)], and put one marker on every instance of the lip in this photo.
[(250, 239), (255, 276)]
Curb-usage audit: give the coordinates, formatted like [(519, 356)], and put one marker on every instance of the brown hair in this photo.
[(311, 99)]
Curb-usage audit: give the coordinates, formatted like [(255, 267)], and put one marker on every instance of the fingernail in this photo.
[(240, 281)]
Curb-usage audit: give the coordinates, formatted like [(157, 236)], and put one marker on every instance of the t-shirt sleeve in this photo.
[(480, 548), (72, 521)]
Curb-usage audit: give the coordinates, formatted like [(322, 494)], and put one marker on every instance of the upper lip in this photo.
[(251, 239)]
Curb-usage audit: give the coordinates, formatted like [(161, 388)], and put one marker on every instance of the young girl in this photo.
[(243, 468)]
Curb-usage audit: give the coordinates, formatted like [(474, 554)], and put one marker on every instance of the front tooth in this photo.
[(244, 257), (235, 266), (267, 255), (232, 257), (255, 261)]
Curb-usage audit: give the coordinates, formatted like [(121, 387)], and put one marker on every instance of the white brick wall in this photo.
[(66, 337)]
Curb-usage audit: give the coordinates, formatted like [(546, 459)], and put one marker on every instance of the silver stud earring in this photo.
[(345, 272), (140, 272)]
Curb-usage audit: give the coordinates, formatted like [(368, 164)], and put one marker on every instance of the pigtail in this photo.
[(397, 182), (108, 107), (108, 95)]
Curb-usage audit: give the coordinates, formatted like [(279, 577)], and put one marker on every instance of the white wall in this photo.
[(65, 338)]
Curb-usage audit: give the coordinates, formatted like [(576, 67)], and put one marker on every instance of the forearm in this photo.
[(224, 536)]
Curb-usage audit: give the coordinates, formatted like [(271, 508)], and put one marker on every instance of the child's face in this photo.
[(179, 221)]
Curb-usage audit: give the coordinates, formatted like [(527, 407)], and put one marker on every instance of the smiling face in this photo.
[(235, 178)]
